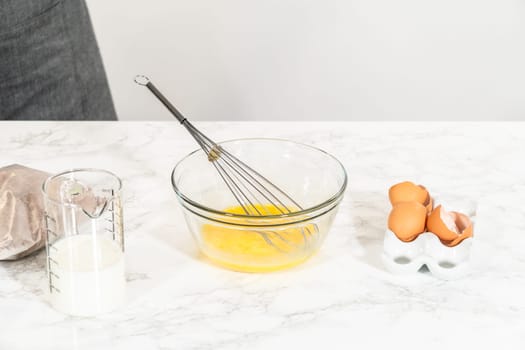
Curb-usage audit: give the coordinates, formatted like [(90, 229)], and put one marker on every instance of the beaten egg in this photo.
[(253, 250)]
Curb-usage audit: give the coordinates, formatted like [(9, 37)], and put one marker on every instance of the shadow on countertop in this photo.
[(369, 213)]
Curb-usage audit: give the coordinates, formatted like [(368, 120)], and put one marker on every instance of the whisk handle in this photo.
[(142, 80)]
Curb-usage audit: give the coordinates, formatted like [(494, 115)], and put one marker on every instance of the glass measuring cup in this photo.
[(85, 241)]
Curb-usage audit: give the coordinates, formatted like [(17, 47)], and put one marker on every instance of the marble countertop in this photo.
[(341, 298)]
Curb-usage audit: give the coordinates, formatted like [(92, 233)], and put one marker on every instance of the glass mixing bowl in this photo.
[(228, 237)]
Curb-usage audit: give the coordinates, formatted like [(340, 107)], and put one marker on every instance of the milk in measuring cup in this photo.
[(87, 275)]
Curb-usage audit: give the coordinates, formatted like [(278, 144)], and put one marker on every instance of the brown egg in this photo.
[(407, 192), (429, 204), (407, 220), (450, 227)]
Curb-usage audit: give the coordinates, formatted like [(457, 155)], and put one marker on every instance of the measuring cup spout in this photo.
[(97, 211)]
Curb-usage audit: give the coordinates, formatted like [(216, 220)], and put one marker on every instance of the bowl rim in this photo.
[(303, 212)]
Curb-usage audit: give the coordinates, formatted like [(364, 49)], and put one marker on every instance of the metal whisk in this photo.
[(247, 185)]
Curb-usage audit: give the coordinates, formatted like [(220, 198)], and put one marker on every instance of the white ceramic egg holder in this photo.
[(442, 261)]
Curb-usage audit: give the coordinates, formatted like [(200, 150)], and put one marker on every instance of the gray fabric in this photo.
[(50, 65)]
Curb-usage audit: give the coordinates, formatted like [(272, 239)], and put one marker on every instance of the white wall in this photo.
[(324, 59)]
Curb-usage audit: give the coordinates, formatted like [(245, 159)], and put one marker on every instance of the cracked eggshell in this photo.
[(407, 192), (450, 227), (407, 220)]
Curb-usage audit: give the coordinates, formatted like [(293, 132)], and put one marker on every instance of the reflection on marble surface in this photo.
[(343, 296)]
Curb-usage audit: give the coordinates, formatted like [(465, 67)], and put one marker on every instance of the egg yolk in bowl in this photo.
[(259, 249)]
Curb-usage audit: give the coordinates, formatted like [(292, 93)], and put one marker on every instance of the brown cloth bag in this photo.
[(22, 228)]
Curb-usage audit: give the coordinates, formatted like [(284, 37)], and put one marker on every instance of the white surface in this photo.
[(442, 261), (342, 298), (316, 60), (88, 275)]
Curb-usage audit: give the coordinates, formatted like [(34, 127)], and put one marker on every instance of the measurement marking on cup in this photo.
[(52, 232), (112, 211), (48, 217), (48, 220), (51, 276)]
